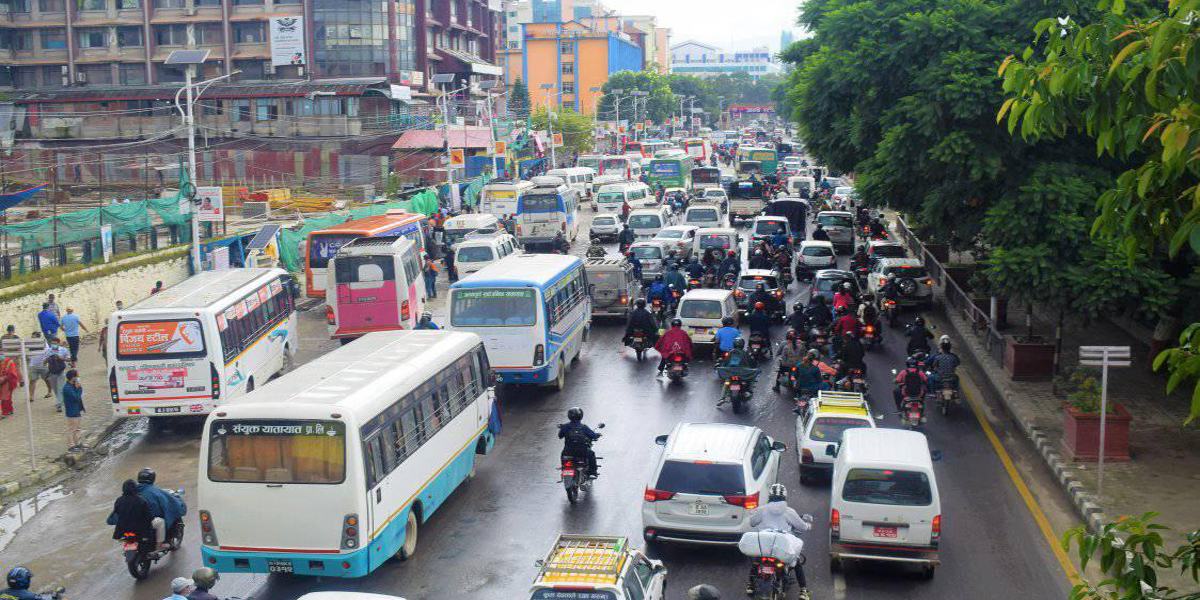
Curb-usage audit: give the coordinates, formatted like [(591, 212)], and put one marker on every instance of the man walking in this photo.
[(72, 394), (54, 307), (48, 321), (53, 362), (70, 326), (430, 272)]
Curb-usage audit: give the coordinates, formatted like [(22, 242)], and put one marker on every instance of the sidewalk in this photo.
[(50, 427)]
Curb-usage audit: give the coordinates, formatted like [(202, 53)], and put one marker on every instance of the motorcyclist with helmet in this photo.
[(704, 591), (635, 264), (767, 299), (790, 351), (943, 365), (577, 439), (860, 259), (730, 264), (910, 383), (674, 342), (19, 580), (695, 270), (844, 298), (777, 516), (819, 234), (759, 321), (918, 337), (727, 335), (674, 279), (659, 290), (878, 229), (846, 323), (851, 354), (808, 373), (640, 320), (561, 245), (760, 260), (166, 509), (736, 356), (797, 320), (818, 313), (205, 580), (426, 323), (779, 241)]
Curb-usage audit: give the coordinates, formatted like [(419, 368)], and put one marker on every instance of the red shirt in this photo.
[(847, 323), (675, 341)]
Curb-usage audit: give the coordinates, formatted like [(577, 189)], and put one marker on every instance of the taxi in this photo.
[(587, 567), (819, 429)]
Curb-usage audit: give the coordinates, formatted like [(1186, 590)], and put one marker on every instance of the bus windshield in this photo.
[(482, 307), (664, 168), (532, 203), (277, 451), (323, 247), (610, 197), (615, 165), (357, 269)]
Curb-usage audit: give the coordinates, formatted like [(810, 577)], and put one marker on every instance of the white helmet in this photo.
[(777, 493), (945, 339)]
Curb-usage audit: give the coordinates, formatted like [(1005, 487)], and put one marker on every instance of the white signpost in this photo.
[(1103, 357)]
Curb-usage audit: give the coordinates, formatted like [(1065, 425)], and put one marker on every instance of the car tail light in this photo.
[(929, 281), (748, 502), (835, 523), (214, 381), (937, 528), (350, 532), (624, 299), (330, 318), (539, 354), (208, 531), (112, 384), (404, 310), (739, 293), (806, 456), (518, 229), (653, 495)]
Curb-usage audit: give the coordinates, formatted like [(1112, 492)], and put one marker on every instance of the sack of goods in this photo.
[(780, 546)]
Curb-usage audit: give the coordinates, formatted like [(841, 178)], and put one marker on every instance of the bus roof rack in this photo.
[(846, 399)]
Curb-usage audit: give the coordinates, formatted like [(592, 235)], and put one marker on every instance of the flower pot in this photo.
[(1031, 360), (1081, 435)]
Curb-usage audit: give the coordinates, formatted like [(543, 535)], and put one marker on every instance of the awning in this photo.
[(472, 64), (472, 138)]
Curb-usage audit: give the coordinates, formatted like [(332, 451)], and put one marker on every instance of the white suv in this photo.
[(707, 481), (916, 286), (814, 255)]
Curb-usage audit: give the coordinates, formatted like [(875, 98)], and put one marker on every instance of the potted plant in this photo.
[(1081, 421)]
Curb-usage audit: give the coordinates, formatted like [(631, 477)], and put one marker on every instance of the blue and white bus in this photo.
[(332, 469), (533, 312), (548, 209)]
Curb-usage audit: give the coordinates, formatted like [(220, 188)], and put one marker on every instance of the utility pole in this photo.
[(439, 80), (549, 87)]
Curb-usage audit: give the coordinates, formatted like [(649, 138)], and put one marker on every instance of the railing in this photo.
[(87, 251), (953, 296)]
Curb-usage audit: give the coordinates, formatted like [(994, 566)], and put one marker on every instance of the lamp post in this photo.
[(637, 116), (682, 99), (549, 87), (439, 80), (720, 110), (487, 87)]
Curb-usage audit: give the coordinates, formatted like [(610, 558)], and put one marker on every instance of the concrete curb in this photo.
[(1086, 503), (58, 466)]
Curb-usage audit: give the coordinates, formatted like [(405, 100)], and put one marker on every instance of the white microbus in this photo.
[(576, 178), (500, 197), (201, 342), (332, 469), (533, 312), (547, 210)]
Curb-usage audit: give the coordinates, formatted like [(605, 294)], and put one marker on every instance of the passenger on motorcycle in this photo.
[(205, 579), (659, 290), (166, 510), (846, 322), (818, 314), (695, 270), (767, 299), (635, 263), (808, 374), (727, 335), (760, 260), (731, 264), (852, 354), (910, 383), (19, 580), (674, 279), (860, 259), (797, 320), (759, 321), (674, 341), (777, 516), (790, 351), (131, 514), (577, 439), (878, 229), (736, 356), (943, 365), (640, 320), (918, 337), (820, 234)]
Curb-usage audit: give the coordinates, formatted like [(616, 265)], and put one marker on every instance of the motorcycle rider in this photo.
[(674, 341), (767, 299), (635, 263), (860, 259), (730, 264), (727, 335), (910, 383), (943, 365), (426, 322), (808, 374), (131, 514), (760, 260), (844, 298), (878, 229), (797, 320), (818, 314), (820, 234), (695, 270), (760, 323), (577, 439), (852, 354), (561, 245), (674, 279), (777, 516), (659, 290), (790, 352), (737, 356), (918, 337), (640, 320), (205, 579), (779, 241), (625, 239), (19, 579), (166, 509), (845, 323)]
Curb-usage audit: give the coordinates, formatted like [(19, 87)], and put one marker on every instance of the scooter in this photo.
[(737, 387), (658, 308), (912, 413), (576, 473), (693, 283), (871, 338), (759, 347), (140, 553), (677, 367)]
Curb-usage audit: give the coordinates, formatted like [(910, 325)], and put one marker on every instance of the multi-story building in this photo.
[(567, 63), (785, 39), (703, 60), (655, 40)]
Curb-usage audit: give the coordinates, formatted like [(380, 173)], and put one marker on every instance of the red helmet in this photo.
[(733, 253), (759, 306)]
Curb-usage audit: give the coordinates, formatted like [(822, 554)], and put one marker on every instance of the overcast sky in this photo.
[(729, 24)]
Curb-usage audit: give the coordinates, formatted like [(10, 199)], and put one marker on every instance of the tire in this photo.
[(139, 566), (806, 478), (561, 380), (289, 362), (927, 572), (411, 531), (945, 407), (572, 493), (641, 354)]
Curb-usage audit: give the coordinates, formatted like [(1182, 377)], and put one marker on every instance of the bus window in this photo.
[(483, 307), (277, 451), (359, 269)]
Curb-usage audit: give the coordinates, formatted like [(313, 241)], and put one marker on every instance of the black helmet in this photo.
[(777, 493), (205, 577), (739, 343), (575, 413), (911, 362), (658, 277), (727, 321), (146, 475), (676, 322), (19, 578), (797, 307), (919, 321), (704, 592), (641, 303)]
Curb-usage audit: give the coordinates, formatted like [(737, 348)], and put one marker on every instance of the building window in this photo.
[(52, 6), (213, 108), (568, 68), (568, 88), (21, 40), (239, 110), (24, 77), (52, 75), (54, 39), (170, 3), (92, 37), (96, 74), (133, 74), (247, 2), (566, 48), (250, 69), (18, 6), (265, 109), (293, 2), (453, 11), (93, 5), (209, 34), (170, 35), (130, 37), (250, 32), (129, 4), (210, 2)]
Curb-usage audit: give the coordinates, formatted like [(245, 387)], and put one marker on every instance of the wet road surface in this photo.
[(483, 542)]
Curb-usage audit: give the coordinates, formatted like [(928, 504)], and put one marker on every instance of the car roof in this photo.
[(659, 245), (717, 442), (706, 295), (679, 227), (901, 262), (346, 596), (717, 231), (877, 243), (835, 274), (770, 217), (759, 273), (816, 243), (885, 447)]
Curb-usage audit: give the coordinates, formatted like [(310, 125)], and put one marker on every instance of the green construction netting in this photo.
[(77, 226)]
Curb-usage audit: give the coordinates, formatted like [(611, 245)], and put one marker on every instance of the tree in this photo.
[(657, 104), (518, 100), (578, 130), (1128, 79), (1131, 553)]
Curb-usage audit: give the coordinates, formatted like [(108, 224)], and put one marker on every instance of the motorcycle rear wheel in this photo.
[(139, 565), (572, 489)]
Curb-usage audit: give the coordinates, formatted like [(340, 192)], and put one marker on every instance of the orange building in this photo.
[(573, 59)]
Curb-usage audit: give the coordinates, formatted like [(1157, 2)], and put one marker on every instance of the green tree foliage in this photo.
[(657, 104), (1128, 79), (518, 100), (1130, 552), (578, 130)]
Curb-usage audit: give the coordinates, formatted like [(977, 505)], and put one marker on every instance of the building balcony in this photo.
[(254, 50)]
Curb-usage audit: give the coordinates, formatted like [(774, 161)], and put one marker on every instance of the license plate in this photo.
[(167, 409), (130, 546), (280, 566), (735, 387), (914, 415), (638, 340), (766, 569), (700, 329), (885, 532), (698, 508), (947, 394), (568, 473)]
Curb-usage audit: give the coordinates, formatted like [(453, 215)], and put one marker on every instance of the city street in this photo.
[(483, 542)]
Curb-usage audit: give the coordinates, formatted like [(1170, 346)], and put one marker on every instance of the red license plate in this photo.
[(885, 532), (766, 570), (568, 472), (914, 415), (131, 545), (735, 387)]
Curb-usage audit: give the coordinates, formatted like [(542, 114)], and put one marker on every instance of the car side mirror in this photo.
[(661, 440), (778, 446), (831, 450), (935, 455)]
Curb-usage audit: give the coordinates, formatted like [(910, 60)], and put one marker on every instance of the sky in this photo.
[(723, 23)]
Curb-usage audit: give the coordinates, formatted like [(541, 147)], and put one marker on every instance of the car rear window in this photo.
[(708, 214), (606, 221), (887, 486), (817, 251), (829, 429), (685, 477), (827, 284), (672, 234), (914, 272), (700, 309), (888, 251), (751, 282), (835, 221), (644, 252)]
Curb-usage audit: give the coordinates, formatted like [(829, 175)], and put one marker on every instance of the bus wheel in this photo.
[(561, 380), (250, 385), (410, 537), (289, 362)]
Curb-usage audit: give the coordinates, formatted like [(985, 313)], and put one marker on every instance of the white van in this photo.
[(702, 311), (613, 197), (499, 198), (646, 222), (600, 181), (801, 186), (704, 215), (576, 178), (884, 502), (477, 251), (459, 227)]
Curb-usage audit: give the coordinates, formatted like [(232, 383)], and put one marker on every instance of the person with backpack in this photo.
[(53, 362), (910, 383), (131, 514), (430, 271)]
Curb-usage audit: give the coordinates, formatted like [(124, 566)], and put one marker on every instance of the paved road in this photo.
[(483, 542)]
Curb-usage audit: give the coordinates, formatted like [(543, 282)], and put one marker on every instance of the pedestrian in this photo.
[(448, 260), (430, 271), (120, 305), (10, 380), (180, 588), (70, 326), (157, 288), (48, 321), (72, 394), (54, 306), (10, 333), (53, 363)]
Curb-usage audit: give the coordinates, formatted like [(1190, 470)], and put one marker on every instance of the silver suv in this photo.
[(916, 286)]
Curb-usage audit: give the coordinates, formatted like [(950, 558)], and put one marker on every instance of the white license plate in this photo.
[(130, 546), (766, 569), (735, 387), (698, 508), (167, 410), (568, 473), (280, 566), (885, 532)]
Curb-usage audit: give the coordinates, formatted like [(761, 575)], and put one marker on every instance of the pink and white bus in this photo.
[(374, 284)]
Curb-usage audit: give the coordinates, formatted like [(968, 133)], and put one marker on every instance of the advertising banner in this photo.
[(558, 139), (106, 241), (212, 204), (457, 157), (159, 337), (287, 41), (499, 148)]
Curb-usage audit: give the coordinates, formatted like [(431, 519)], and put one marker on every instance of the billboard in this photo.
[(211, 203), (287, 41)]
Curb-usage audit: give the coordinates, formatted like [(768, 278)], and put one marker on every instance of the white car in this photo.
[(814, 255), (715, 194), (819, 429), (605, 227), (916, 286), (678, 238), (706, 482)]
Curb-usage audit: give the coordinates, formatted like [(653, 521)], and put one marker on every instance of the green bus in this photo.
[(671, 172), (767, 158)]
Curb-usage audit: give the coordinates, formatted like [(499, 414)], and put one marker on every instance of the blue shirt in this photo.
[(725, 337), (48, 322), (70, 325), (72, 400)]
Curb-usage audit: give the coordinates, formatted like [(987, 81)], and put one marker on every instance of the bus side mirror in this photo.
[(493, 379), (661, 440), (831, 450)]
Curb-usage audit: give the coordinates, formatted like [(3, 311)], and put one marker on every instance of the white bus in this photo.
[(332, 469), (500, 197), (533, 312), (576, 178), (196, 344), (546, 210)]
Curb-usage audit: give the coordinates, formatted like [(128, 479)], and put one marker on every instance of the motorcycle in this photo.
[(858, 381), (576, 474), (596, 251), (912, 414), (658, 308), (710, 279), (677, 367), (738, 387), (768, 578), (693, 283), (759, 347), (871, 337), (947, 395), (891, 311), (639, 342), (729, 281), (140, 553)]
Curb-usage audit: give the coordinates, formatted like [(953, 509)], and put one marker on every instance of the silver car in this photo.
[(605, 227), (839, 224), (652, 255)]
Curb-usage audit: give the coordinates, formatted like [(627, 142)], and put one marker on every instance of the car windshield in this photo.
[(903, 272), (887, 486), (829, 429), (474, 254), (644, 221), (711, 193), (482, 307), (604, 221), (827, 284), (751, 282), (888, 251), (700, 309), (835, 220), (769, 227), (817, 251), (703, 216), (610, 197), (644, 252), (670, 234), (685, 477)]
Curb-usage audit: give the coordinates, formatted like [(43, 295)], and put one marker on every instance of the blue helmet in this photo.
[(19, 578)]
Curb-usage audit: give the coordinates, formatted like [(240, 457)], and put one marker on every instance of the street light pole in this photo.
[(549, 87), (439, 80)]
